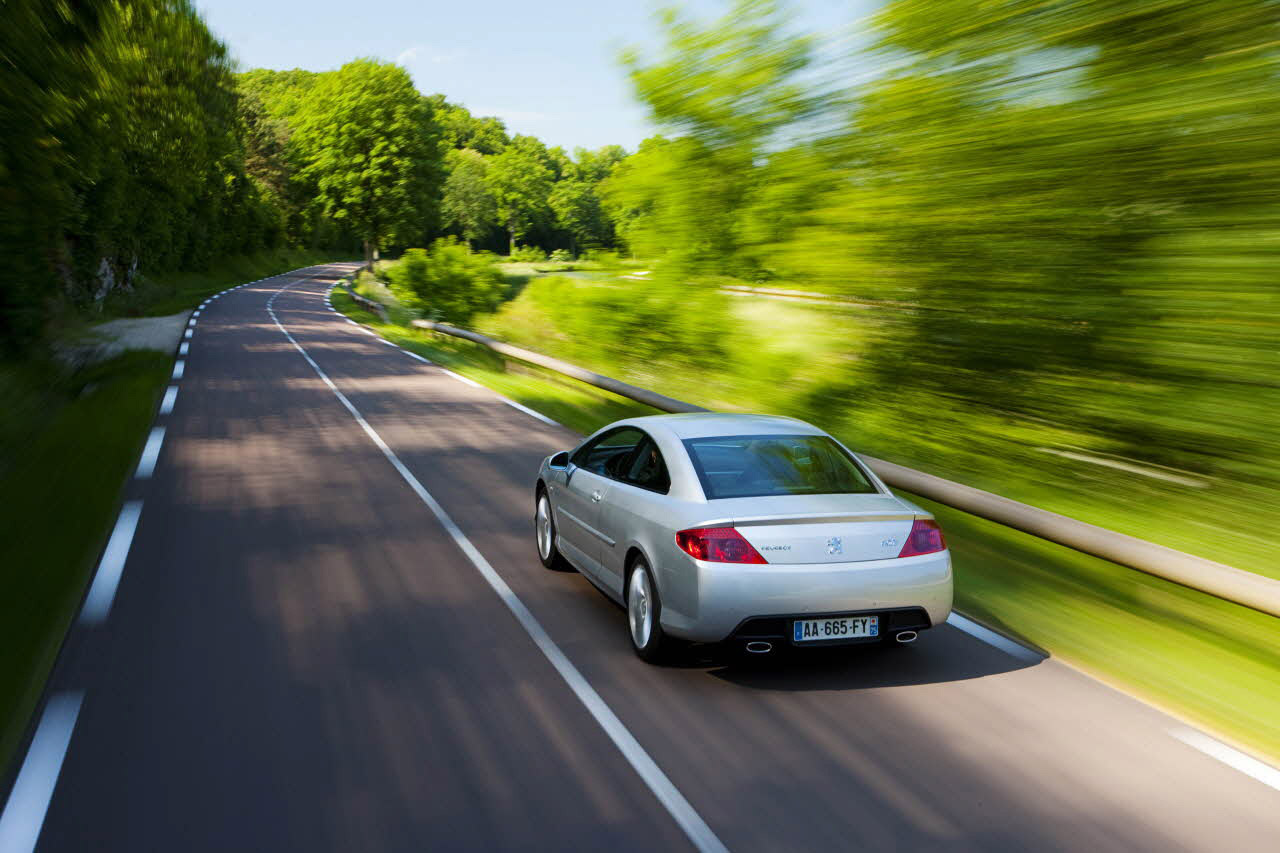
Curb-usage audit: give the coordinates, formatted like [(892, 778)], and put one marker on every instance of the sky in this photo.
[(548, 68)]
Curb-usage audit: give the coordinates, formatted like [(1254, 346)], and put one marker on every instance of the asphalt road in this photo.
[(299, 656)]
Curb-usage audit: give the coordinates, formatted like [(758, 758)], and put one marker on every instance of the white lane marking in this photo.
[(195, 313), (418, 357), (464, 380), (191, 323), (1246, 764), (150, 453), (24, 813), (170, 396), (389, 343), (530, 412), (187, 334), (183, 347), (991, 638), (179, 367), (97, 604), (662, 787)]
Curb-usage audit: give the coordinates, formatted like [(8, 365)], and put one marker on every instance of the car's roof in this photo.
[(710, 424)]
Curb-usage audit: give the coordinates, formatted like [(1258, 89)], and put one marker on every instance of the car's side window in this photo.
[(647, 468), (608, 455)]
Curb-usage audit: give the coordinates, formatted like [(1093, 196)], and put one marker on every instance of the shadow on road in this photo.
[(940, 655)]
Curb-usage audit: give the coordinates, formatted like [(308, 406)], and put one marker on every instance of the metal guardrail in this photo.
[(366, 303), (1217, 579), (622, 389)]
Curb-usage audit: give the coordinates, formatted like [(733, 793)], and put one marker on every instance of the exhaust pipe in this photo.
[(759, 647), (905, 636)]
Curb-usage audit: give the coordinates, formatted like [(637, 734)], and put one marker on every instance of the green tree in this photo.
[(521, 178), (460, 129), (368, 143), (48, 52), (577, 210), (728, 91), (594, 166), (468, 205)]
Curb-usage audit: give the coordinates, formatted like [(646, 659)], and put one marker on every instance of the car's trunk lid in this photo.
[(797, 529)]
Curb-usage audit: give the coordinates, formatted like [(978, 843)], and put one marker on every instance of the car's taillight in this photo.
[(925, 538), (717, 545)]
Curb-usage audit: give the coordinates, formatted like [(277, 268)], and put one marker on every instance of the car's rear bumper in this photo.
[(731, 596)]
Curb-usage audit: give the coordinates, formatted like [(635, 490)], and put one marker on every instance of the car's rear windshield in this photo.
[(746, 466)]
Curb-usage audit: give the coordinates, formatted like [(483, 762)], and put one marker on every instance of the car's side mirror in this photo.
[(559, 462)]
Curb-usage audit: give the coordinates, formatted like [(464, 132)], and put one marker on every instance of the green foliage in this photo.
[(468, 204), (730, 90), (646, 329), (520, 179), (528, 255), (365, 140), (731, 85), (449, 282), (461, 130), (1051, 201), (123, 150), (577, 210), (132, 149), (48, 63)]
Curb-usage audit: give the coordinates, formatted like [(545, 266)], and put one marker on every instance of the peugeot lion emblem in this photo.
[(835, 546)]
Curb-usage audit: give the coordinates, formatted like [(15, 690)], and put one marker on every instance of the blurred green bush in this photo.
[(528, 254), (449, 282)]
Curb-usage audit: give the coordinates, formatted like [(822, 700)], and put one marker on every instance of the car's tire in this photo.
[(544, 532), (644, 615)]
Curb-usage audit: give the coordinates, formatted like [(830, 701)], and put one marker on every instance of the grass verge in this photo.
[(1212, 662), (577, 406), (60, 486)]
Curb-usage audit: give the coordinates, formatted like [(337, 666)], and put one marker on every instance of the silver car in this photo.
[(758, 531)]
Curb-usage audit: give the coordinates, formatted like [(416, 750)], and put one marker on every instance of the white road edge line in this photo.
[(458, 376), (179, 367), (1234, 758), (24, 813), (97, 604), (530, 412), (183, 348), (170, 396), (150, 453), (662, 787), (512, 403), (991, 638)]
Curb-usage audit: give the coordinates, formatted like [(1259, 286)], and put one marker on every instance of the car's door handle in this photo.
[(595, 497)]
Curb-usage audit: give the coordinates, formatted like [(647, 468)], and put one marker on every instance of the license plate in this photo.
[(836, 628)]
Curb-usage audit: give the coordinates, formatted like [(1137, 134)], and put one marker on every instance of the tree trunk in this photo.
[(368, 255), (512, 232)]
